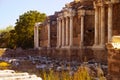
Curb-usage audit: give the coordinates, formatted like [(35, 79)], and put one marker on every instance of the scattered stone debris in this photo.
[(47, 63)]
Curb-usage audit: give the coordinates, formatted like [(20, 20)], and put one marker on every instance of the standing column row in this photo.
[(100, 24), (64, 26)]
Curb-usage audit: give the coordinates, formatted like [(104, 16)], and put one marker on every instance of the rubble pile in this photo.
[(47, 63)]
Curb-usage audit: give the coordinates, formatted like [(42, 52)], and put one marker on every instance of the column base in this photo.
[(38, 48), (98, 46), (58, 47), (48, 47), (81, 45)]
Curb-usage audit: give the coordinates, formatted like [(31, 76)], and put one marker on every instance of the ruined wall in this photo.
[(113, 62), (76, 31), (44, 32), (43, 35), (89, 30), (116, 19), (53, 31)]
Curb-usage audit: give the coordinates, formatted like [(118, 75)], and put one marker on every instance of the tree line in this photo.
[(22, 34)]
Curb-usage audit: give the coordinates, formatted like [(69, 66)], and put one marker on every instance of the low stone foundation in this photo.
[(79, 54)]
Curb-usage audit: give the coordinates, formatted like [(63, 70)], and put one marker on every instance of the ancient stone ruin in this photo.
[(114, 58), (80, 30)]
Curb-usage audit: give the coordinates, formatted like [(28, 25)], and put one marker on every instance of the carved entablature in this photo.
[(81, 12), (101, 2), (115, 1), (66, 12), (38, 24), (67, 5), (76, 0)]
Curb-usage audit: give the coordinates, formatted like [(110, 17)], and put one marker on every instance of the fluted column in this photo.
[(110, 11), (71, 31), (67, 31), (82, 31), (49, 34), (63, 43), (102, 25), (96, 39)]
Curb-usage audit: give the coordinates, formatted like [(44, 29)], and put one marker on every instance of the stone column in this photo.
[(60, 33), (82, 28), (71, 31), (49, 34), (110, 22), (36, 35), (58, 42), (63, 43), (67, 31), (96, 39), (82, 31), (102, 43)]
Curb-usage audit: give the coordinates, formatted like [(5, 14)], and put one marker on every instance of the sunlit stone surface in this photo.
[(116, 42), (12, 75)]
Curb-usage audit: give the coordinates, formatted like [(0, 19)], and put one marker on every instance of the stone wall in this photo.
[(113, 62), (116, 19), (18, 52), (43, 36), (70, 54)]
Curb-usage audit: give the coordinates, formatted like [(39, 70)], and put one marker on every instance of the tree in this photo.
[(25, 28), (12, 39), (5, 37)]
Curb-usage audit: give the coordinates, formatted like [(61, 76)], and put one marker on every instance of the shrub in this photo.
[(4, 65)]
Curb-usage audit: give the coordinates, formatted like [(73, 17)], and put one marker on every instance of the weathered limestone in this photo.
[(100, 23), (82, 29), (76, 0), (65, 28), (96, 25), (71, 31), (110, 21), (36, 35), (49, 33), (102, 43), (60, 33), (63, 31), (80, 24), (114, 58), (8, 75), (58, 43), (67, 31)]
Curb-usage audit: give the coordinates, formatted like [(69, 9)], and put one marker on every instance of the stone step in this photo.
[(7, 71), (12, 75)]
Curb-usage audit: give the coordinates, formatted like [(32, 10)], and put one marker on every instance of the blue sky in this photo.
[(11, 9)]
